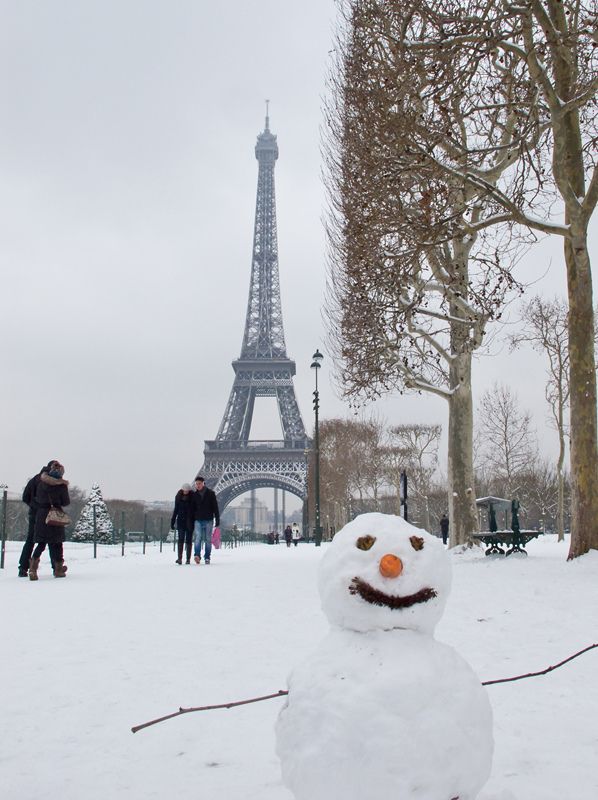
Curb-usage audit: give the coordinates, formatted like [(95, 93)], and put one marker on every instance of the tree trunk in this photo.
[(462, 508), (560, 519), (426, 525), (582, 383), (569, 174), (560, 522)]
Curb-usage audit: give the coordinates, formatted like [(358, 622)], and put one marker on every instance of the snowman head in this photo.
[(380, 572)]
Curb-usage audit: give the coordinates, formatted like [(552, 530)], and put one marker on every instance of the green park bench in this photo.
[(505, 543), (511, 539)]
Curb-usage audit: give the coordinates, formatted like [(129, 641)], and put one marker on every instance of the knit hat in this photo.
[(186, 487)]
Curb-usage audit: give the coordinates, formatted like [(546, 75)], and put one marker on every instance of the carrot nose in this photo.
[(390, 566)]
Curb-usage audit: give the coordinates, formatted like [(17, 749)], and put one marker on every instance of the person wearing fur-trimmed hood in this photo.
[(52, 490), (206, 515), (29, 500), (182, 521)]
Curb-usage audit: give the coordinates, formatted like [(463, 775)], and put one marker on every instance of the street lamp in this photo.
[(4, 487), (315, 365)]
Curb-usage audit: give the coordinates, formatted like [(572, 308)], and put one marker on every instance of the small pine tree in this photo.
[(84, 528)]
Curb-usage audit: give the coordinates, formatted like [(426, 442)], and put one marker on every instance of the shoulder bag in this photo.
[(57, 517)]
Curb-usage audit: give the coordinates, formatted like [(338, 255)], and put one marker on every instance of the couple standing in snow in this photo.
[(292, 534), (195, 514), (48, 489)]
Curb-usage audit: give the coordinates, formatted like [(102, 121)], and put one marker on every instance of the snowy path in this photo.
[(124, 640)]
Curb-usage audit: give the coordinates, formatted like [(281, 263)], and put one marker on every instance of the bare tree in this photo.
[(508, 443), (546, 135), (537, 491), (417, 447), (539, 495), (418, 269), (341, 470), (367, 472), (553, 43), (546, 330), (395, 459), (360, 464), (133, 510), (17, 520)]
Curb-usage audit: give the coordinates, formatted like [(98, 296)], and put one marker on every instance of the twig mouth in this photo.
[(378, 598)]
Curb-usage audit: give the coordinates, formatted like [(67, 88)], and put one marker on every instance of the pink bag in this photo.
[(216, 538)]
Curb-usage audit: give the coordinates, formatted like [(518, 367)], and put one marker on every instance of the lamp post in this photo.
[(315, 365), (4, 487)]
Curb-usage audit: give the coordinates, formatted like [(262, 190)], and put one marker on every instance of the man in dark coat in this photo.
[(29, 500), (205, 515), (444, 528)]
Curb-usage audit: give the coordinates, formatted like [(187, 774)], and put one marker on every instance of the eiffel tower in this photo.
[(233, 463)]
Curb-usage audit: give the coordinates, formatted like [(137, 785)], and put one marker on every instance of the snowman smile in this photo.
[(378, 598)]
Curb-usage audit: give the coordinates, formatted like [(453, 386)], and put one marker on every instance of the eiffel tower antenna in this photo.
[(233, 463)]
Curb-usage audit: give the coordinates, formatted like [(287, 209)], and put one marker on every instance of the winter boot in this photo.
[(188, 553), (60, 569), (23, 573), (180, 546), (33, 566)]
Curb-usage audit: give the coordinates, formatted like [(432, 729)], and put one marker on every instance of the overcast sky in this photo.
[(127, 199)]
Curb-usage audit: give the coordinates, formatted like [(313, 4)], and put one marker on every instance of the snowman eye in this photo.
[(365, 542), (417, 542)]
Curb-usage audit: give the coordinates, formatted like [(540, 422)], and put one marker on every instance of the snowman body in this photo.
[(381, 709)]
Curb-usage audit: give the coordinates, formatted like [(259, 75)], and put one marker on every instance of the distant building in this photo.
[(290, 517), (241, 516)]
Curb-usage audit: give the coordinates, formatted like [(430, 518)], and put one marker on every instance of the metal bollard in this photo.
[(4, 504), (95, 533)]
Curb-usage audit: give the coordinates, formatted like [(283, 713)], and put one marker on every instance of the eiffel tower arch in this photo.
[(233, 463)]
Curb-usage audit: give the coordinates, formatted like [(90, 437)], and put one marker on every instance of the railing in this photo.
[(230, 539), (262, 444)]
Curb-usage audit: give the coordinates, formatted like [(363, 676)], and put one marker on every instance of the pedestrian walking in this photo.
[(182, 522), (51, 493), (444, 528), (205, 515), (288, 535), (295, 533)]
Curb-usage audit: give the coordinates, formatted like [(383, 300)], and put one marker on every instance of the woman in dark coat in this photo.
[(182, 521), (52, 490)]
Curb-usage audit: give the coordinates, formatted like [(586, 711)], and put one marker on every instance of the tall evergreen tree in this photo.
[(84, 528)]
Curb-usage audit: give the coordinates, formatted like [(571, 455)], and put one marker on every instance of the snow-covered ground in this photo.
[(121, 641)]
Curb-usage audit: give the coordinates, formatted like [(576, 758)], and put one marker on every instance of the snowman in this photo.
[(381, 710)]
